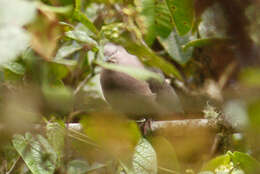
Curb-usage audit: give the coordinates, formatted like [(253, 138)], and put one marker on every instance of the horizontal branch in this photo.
[(176, 127)]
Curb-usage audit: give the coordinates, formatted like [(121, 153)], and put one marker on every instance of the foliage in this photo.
[(51, 54)]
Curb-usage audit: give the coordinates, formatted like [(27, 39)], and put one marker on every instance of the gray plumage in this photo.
[(135, 97)]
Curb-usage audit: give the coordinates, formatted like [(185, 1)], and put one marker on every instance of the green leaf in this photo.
[(56, 135), (247, 163), (166, 155), (77, 167), (140, 74), (60, 10), (173, 44), (182, 14), (144, 158), (15, 67), (66, 50), (150, 58), (81, 36), (222, 160), (204, 42), (82, 167), (154, 19), (81, 17), (250, 76), (38, 155)]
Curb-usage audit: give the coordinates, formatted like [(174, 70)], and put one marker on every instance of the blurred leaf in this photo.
[(213, 23), (247, 163), (150, 58), (60, 10), (182, 14), (81, 36), (15, 67), (16, 13), (250, 76), (173, 44), (82, 167), (166, 155), (38, 155), (223, 160), (45, 31), (77, 167), (117, 135), (56, 71), (154, 19), (59, 97), (138, 73), (56, 135), (13, 41), (203, 42), (81, 17), (67, 50), (144, 158)]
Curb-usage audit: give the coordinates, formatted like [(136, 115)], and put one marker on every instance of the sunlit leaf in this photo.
[(144, 159), (38, 155), (182, 14), (216, 162), (173, 44), (247, 163)]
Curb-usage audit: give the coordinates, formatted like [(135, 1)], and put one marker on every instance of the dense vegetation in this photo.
[(54, 118)]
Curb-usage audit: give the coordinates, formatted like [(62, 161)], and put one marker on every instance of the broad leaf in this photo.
[(150, 58), (182, 14), (166, 155), (247, 163), (15, 67), (154, 19), (66, 50), (56, 135), (38, 155), (173, 44), (144, 159)]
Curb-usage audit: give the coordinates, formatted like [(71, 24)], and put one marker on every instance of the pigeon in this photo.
[(137, 98)]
